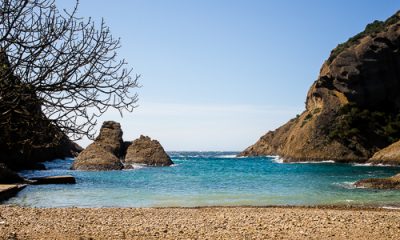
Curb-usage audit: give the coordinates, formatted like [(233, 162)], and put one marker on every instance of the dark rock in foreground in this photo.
[(104, 152), (146, 151), (380, 183), (10, 190), (9, 176), (67, 179)]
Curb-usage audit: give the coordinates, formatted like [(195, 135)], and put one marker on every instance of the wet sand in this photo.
[(199, 223)]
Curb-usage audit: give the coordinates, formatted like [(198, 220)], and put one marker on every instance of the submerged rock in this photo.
[(104, 152), (146, 151), (349, 106), (380, 183)]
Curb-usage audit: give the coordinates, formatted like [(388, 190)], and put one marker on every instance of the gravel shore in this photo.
[(198, 223)]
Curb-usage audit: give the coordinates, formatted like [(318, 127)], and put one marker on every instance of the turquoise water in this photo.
[(211, 179)]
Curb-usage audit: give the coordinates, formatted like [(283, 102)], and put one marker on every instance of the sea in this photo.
[(212, 179)]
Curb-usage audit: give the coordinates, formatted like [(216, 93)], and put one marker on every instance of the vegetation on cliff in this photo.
[(370, 29), (371, 127)]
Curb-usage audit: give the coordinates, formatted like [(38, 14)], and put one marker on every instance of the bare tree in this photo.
[(62, 64)]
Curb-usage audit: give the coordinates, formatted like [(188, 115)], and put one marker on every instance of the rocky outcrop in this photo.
[(110, 152), (352, 109), (380, 183), (104, 152), (146, 151), (388, 155)]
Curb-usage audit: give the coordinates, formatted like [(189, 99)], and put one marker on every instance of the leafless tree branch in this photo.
[(66, 64)]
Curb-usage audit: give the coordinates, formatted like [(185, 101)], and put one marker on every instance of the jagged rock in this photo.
[(108, 151), (105, 152), (110, 137), (8, 176), (388, 155), (380, 183), (359, 82), (146, 151)]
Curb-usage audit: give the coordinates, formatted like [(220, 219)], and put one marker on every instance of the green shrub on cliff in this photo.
[(355, 123), (372, 28)]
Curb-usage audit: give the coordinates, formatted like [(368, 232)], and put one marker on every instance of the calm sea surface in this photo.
[(211, 179)]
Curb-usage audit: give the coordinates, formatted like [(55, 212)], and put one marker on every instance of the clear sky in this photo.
[(218, 74)]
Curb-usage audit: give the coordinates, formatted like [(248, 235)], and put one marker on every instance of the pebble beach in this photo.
[(199, 223)]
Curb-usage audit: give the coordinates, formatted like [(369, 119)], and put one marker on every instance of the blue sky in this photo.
[(218, 74)]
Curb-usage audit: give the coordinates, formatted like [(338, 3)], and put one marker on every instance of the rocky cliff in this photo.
[(352, 109), (27, 136)]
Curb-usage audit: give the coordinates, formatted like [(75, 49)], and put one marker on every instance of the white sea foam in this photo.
[(279, 159), (306, 162), (137, 166), (276, 159), (361, 164), (227, 156), (391, 207), (347, 185), (371, 165)]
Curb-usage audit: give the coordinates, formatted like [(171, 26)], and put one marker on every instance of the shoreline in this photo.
[(370, 207), (294, 222)]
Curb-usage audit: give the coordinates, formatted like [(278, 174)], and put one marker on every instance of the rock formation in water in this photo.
[(104, 152), (380, 183), (109, 151), (146, 151), (388, 155), (352, 109), (27, 136)]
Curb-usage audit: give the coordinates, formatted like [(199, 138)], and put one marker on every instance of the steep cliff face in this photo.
[(352, 109)]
